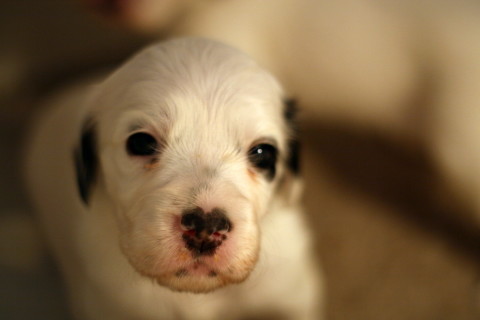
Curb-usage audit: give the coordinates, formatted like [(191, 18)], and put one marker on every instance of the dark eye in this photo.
[(142, 144), (264, 156)]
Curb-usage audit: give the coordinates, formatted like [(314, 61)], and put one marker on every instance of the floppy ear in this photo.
[(293, 152), (86, 161), (291, 185)]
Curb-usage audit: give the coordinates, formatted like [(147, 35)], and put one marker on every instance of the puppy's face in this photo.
[(192, 143)]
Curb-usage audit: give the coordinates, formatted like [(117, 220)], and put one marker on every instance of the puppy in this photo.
[(170, 191)]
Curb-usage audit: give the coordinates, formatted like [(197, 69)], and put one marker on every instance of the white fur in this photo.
[(208, 104)]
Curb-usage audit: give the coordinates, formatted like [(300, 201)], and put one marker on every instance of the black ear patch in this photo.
[(86, 161), (293, 152)]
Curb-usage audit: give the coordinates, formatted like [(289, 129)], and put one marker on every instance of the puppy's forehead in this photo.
[(235, 120), (191, 84)]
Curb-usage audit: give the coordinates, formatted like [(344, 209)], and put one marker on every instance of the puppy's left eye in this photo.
[(263, 156), (142, 144)]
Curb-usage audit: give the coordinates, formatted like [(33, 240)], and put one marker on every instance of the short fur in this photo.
[(114, 219)]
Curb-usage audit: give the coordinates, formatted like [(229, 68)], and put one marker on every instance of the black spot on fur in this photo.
[(293, 152), (86, 162)]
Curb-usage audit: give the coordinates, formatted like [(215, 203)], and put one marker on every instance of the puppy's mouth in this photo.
[(190, 272), (197, 269), (195, 255), (201, 276)]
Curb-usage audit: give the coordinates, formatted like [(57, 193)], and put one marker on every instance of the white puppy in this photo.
[(169, 191)]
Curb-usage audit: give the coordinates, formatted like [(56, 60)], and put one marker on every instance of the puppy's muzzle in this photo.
[(204, 232)]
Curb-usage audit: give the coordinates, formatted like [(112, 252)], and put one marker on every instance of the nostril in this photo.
[(217, 227), (193, 222), (218, 222)]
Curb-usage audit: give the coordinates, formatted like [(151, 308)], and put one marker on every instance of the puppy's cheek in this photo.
[(261, 193), (147, 231), (113, 176)]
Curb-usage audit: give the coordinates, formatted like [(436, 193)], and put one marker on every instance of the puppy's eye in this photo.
[(142, 144), (263, 156)]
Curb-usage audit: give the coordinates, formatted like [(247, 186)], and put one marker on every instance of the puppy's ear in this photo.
[(290, 186), (293, 152), (86, 161)]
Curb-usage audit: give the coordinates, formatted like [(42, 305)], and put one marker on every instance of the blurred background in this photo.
[(393, 240)]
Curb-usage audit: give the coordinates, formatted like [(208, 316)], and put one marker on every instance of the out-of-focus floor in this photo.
[(393, 243)]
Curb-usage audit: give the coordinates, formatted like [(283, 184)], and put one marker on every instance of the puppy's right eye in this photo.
[(142, 144)]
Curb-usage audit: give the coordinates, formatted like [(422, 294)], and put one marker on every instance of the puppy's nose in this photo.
[(204, 232)]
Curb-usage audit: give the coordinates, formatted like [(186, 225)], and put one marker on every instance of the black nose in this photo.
[(204, 232)]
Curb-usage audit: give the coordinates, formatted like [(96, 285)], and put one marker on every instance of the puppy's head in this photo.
[(190, 143)]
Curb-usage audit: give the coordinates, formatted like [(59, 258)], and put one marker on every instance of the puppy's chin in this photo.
[(200, 283), (200, 277)]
